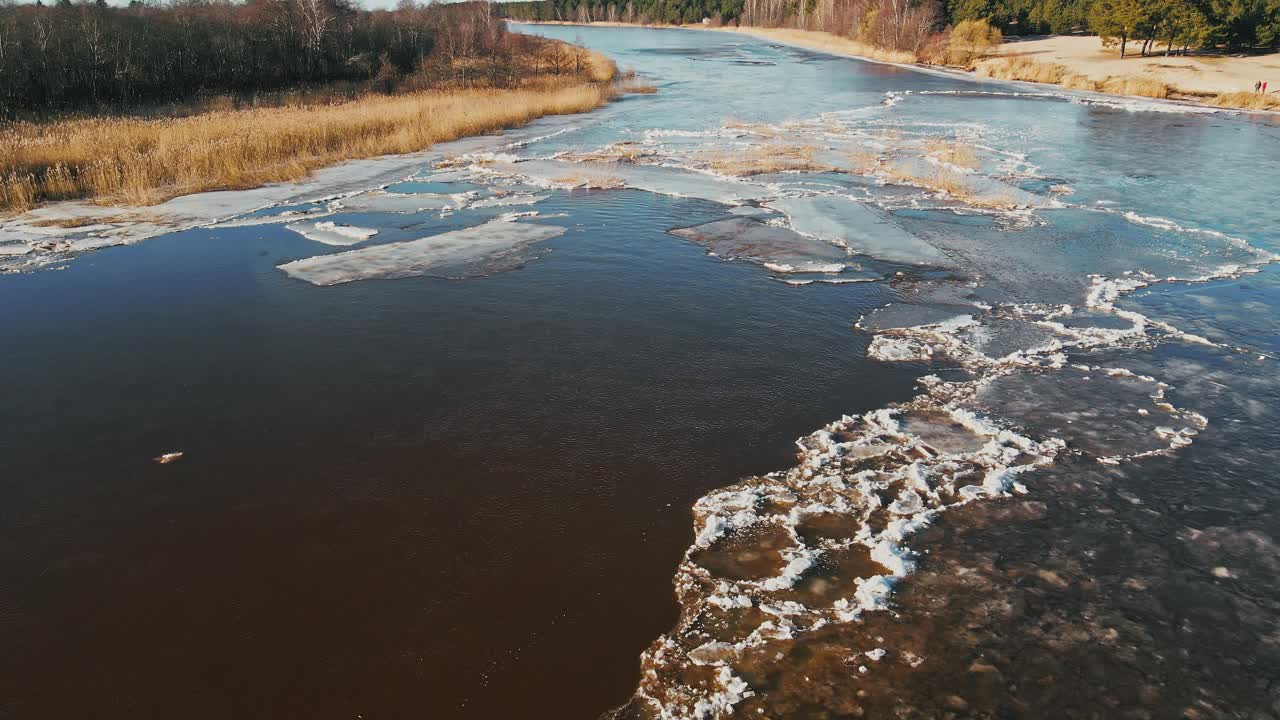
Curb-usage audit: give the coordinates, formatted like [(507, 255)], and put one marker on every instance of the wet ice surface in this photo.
[(861, 229), (494, 246), (332, 233), (779, 249)]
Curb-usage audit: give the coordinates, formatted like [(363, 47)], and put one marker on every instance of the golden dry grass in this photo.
[(617, 152), (764, 159), (600, 68), (133, 161), (954, 184), (754, 128), (589, 180), (637, 87), (1134, 85), (1028, 70), (953, 152), (1246, 101), (865, 162), (1075, 81), (1021, 68)]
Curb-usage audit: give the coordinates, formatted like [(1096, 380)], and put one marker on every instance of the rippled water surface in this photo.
[(441, 439)]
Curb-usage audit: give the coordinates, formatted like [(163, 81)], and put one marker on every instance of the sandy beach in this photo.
[(1191, 75)]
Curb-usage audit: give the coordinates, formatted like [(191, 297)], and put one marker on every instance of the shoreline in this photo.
[(57, 232), (415, 128), (818, 41)]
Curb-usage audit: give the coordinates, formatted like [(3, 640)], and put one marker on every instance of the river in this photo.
[(440, 439)]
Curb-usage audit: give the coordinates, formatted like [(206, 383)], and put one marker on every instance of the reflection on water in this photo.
[(402, 493)]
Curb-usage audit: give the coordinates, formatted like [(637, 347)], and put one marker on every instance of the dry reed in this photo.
[(1021, 68), (136, 161), (637, 87), (953, 152), (865, 162), (953, 184), (1134, 85), (589, 180), (1028, 70), (617, 152), (1246, 101), (765, 159)]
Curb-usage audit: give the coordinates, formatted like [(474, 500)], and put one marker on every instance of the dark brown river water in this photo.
[(403, 498)]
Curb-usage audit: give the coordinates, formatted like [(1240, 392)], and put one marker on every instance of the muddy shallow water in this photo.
[(441, 440)]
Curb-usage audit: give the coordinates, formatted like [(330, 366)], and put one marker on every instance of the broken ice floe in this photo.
[(379, 201), (778, 249), (496, 245), (656, 179), (166, 458), (791, 552), (332, 233), (859, 228)]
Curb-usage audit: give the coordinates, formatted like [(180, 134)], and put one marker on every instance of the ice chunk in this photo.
[(658, 179), (168, 457), (508, 199), (280, 214), (396, 202), (862, 229), (778, 249), (331, 233), (906, 315), (750, 211), (495, 245)]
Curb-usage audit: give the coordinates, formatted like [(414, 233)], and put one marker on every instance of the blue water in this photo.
[(465, 498)]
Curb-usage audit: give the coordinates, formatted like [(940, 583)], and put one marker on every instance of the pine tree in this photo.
[(1118, 21)]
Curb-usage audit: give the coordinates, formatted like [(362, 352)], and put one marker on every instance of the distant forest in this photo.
[(91, 56), (1230, 24)]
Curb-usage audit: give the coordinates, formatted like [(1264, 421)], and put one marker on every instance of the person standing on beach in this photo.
[(1257, 87)]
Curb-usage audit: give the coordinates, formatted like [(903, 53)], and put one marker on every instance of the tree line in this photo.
[(893, 24), (1177, 25), (90, 56), (643, 12)]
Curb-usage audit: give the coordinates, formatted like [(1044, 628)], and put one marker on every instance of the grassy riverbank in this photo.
[(142, 161)]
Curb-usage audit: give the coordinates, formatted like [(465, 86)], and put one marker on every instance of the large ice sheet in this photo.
[(389, 202), (777, 248), (659, 179), (495, 245), (861, 228)]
